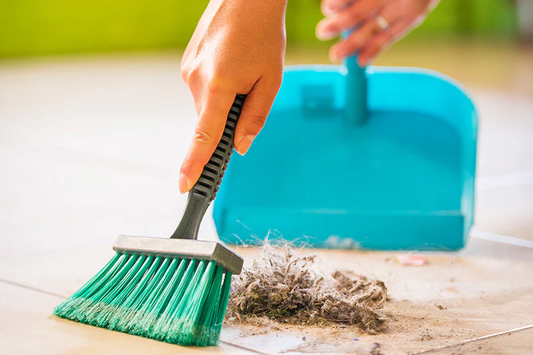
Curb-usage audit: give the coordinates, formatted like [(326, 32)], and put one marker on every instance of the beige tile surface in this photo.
[(78, 137), (485, 288), (483, 267), (507, 211), (504, 344), (26, 327)]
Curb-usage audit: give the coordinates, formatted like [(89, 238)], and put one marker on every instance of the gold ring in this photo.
[(382, 23)]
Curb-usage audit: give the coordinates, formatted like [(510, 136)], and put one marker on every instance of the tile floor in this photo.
[(90, 148)]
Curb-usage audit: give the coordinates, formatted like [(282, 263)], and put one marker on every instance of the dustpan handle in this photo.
[(355, 111), (206, 188)]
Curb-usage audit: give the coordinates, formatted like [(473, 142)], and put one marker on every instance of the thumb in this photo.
[(254, 113)]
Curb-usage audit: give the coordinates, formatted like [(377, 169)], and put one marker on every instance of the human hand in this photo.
[(379, 23), (238, 47)]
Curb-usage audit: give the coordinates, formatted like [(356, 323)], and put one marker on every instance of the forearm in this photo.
[(266, 17)]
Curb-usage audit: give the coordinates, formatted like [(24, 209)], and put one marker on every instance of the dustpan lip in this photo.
[(376, 72), (371, 69)]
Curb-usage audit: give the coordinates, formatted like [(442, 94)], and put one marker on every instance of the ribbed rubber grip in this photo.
[(209, 182), (206, 188)]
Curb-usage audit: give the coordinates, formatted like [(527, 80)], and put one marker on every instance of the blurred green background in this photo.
[(45, 27)]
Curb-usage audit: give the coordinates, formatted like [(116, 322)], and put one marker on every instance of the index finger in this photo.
[(206, 136)]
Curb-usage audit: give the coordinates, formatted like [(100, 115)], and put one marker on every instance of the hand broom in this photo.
[(173, 289)]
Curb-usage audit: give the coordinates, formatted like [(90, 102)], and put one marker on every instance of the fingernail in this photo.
[(245, 143), (337, 55), (364, 62), (183, 183), (325, 32), (324, 36), (333, 58)]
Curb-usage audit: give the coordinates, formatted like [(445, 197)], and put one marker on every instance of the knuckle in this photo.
[(356, 42), (218, 82), (195, 81), (258, 121), (184, 64), (203, 138), (193, 76), (353, 16), (185, 69), (214, 87), (184, 73), (366, 7)]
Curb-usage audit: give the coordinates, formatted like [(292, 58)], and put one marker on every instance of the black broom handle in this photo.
[(206, 188)]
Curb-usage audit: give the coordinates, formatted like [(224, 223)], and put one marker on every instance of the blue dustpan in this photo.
[(382, 158)]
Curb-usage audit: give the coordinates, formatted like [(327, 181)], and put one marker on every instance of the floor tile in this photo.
[(509, 343), (126, 108), (506, 211), (505, 127), (454, 297), (54, 198), (484, 288), (27, 327), (55, 202)]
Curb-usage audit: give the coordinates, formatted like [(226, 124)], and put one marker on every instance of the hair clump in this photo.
[(290, 289)]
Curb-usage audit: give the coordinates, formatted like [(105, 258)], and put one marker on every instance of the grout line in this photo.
[(508, 332), (244, 347), (32, 288), (505, 239), (64, 297)]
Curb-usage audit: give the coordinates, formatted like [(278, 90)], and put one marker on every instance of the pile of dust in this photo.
[(290, 289)]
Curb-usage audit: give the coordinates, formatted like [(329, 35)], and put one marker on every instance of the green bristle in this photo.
[(132, 316), (123, 324), (64, 309), (148, 295), (224, 296), (208, 314), (174, 331), (180, 301), (170, 312), (122, 306), (82, 298), (112, 299), (160, 301), (119, 281), (144, 317), (189, 330), (91, 305)]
